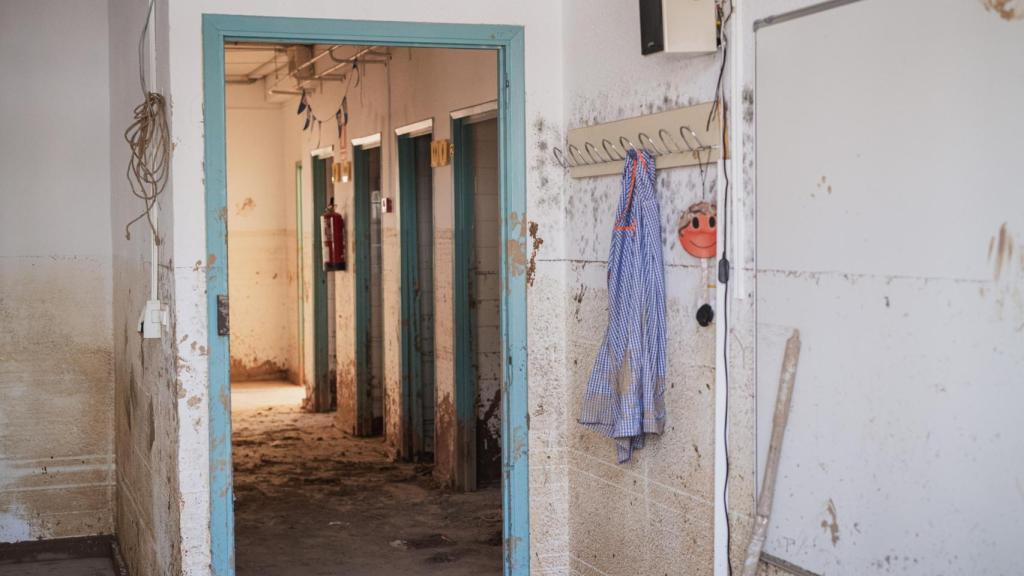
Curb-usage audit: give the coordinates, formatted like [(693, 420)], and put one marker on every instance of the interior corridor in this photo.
[(536, 288), (311, 499)]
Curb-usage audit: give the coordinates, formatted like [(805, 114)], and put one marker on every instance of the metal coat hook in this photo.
[(661, 135), (605, 143), (640, 138), (700, 145), (623, 141), (590, 149), (576, 156), (559, 157)]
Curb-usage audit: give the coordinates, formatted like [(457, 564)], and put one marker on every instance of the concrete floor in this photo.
[(79, 567), (311, 500)]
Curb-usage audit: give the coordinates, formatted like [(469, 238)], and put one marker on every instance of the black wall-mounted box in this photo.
[(652, 31)]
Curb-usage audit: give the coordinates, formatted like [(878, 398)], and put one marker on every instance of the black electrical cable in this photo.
[(719, 106)]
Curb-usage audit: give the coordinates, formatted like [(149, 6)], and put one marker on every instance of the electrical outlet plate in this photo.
[(153, 319)]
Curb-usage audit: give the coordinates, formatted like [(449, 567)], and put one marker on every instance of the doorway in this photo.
[(479, 378), (369, 318), (324, 391), (416, 204), (508, 45)]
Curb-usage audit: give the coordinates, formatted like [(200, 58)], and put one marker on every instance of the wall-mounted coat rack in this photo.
[(680, 137)]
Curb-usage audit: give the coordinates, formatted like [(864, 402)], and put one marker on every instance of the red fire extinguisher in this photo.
[(333, 234)]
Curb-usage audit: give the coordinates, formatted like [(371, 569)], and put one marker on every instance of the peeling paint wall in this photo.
[(159, 403), (56, 377), (909, 382), (654, 515), (261, 229)]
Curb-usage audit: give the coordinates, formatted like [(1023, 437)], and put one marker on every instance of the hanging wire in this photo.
[(149, 140), (724, 265)]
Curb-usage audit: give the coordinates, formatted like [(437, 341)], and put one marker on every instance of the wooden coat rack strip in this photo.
[(680, 137)]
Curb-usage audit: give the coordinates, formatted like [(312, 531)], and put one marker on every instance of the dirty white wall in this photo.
[(543, 39), (56, 380), (148, 373), (261, 239), (654, 515), (912, 327), (583, 66)]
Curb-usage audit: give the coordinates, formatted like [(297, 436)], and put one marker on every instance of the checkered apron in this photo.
[(624, 399)]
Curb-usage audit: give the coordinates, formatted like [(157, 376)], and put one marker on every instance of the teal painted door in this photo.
[(462, 288), (369, 328), (477, 303), (416, 207), (323, 385)]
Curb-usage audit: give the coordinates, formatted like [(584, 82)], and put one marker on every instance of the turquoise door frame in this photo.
[(361, 249), (321, 354), (508, 41), (465, 377), (300, 274)]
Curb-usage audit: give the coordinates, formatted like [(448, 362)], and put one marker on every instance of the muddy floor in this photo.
[(310, 500)]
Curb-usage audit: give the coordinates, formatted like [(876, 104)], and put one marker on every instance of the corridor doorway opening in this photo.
[(478, 374), (368, 202), (384, 476), (416, 198)]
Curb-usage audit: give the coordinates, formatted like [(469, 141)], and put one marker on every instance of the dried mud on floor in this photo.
[(311, 500)]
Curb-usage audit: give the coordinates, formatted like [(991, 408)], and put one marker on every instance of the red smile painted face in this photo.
[(698, 230)]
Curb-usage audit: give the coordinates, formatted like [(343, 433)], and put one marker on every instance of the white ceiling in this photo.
[(254, 63)]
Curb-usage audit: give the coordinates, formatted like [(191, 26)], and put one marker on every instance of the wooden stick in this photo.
[(764, 502)]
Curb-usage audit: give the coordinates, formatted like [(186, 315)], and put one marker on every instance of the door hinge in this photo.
[(223, 315)]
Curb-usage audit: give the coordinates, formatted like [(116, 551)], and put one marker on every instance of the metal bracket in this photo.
[(223, 315)]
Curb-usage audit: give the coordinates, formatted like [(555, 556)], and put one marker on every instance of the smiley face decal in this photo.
[(698, 230)]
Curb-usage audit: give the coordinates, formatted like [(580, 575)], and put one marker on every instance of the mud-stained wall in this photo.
[(653, 515), (153, 378), (56, 382), (262, 244)]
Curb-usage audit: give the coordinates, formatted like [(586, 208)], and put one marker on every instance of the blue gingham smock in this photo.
[(624, 399)]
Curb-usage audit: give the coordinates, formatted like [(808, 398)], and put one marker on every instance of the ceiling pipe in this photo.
[(303, 66), (341, 63)]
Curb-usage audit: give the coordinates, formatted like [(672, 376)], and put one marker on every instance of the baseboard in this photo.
[(57, 549)]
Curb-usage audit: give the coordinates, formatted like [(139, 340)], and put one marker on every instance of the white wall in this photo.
[(261, 238), (653, 515), (911, 315), (56, 382), (582, 67), (148, 389)]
